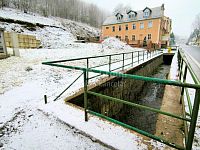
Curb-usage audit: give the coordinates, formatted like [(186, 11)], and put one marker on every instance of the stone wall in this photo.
[(126, 89)]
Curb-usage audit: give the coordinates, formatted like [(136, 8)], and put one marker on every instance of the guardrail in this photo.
[(127, 59), (191, 119)]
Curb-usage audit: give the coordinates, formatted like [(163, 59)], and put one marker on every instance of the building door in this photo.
[(126, 39), (145, 41)]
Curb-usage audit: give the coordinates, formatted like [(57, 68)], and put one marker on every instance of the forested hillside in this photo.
[(76, 10)]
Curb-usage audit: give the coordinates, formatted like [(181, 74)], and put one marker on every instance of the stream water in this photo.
[(151, 96)]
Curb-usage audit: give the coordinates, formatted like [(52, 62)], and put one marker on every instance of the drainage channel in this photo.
[(151, 95)]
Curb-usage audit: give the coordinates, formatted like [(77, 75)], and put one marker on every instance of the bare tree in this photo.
[(196, 26)]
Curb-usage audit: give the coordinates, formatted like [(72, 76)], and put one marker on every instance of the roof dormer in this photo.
[(147, 12), (131, 14), (119, 16)]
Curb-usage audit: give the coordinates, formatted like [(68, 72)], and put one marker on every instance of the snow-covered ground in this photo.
[(63, 32), (24, 81)]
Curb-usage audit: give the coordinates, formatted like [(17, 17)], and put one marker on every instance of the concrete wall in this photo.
[(126, 89), (24, 41)]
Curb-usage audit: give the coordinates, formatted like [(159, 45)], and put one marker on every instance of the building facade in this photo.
[(139, 27)]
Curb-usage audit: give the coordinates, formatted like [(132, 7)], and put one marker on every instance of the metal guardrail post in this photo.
[(132, 59), (193, 120), (87, 65), (123, 63), (109, 64), (184, 78), (138, 57), (85, 94), (143, 55), (181, 68)]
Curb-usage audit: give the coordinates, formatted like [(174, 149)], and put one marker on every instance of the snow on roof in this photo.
[(156, 13)]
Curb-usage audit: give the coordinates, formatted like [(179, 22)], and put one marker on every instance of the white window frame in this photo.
[(134, 25), (142, 25), (150, 24)]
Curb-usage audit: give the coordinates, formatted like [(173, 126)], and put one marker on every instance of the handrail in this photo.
[(183, 85)]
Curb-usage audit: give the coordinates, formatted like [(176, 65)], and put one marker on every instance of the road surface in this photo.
[(193, 56)]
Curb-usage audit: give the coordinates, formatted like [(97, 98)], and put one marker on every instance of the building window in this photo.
[(133, 38), (142, 25), (117, 36), (126, 27), (131, 15), (113, 28), (120, 38), (149, 36), (120, 28), (134, 26), (146, 13), (107, 27), (150, 24)]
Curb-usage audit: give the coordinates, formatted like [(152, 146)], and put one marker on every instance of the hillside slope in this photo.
[(62, 31)]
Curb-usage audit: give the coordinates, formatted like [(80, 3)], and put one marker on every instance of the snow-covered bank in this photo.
[(56, 33)]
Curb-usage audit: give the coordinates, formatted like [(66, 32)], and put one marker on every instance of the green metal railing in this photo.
[(134, 58), (191, 119)]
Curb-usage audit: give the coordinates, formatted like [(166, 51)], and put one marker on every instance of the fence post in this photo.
[(193, 120), (147, 54), (109, 63), (181, 67), (87, 71), (45, 99), (143, 55), (184, 78), (138, 57), (85, 94), (132, 59), (123, 63)]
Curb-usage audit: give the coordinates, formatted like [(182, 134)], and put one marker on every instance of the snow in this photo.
[(114, 43), (63, 32), (25, 122)]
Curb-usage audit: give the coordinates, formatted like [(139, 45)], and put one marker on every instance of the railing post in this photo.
[(109, 64), (87, 71), (193, 120), (181, 69), (45, 99), (132, 59), (123, 63), (184, 78), (138, 57), (143, 55), (85, 94)]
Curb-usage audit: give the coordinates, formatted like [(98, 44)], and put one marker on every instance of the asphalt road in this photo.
[(193, 51), (193, 57)]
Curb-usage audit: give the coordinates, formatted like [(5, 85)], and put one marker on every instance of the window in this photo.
[(120, 38), (133, 38), (131, 15), (120, 28), (150, 24), (142, 25), (134, 26), (126, 27), (149, 36), (146, 13), (107, 27), (117, 36), (113, 28)]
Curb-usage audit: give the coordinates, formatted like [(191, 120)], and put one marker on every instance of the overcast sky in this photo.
[(182, 12)]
